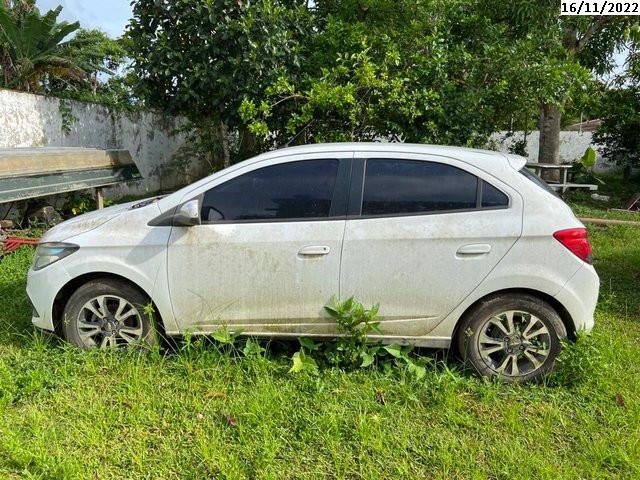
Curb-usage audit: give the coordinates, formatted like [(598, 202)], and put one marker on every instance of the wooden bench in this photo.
[(565, 186), (27, 173), (564, 169)]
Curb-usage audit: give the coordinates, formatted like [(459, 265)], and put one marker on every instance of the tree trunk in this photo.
[(223, 130), (549, 149), (248, 144)]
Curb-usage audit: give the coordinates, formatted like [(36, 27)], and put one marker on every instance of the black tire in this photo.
[(136, 329), (478, 331)]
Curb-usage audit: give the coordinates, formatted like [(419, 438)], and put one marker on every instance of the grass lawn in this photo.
[(202, 413), (619, 192)]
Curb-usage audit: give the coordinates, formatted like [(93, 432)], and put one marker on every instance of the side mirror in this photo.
[(188, 214)]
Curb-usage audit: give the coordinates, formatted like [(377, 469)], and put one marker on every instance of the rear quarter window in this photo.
[(538, 181), (492, 197)]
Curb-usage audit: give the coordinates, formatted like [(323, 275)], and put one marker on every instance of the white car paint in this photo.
[(258, 277), (423, 263)]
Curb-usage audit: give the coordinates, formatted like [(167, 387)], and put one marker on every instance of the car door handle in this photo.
[(314, 250), (474, 249)]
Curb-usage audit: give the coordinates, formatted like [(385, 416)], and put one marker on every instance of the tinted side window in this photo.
[(286, 191), (492, 197), (538, 181), (415, 186)]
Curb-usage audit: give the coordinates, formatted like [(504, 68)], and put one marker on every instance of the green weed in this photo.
[(208, 411)]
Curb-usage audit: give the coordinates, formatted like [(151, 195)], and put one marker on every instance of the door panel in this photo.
[(252, 276), (267, 257), (419, 267)]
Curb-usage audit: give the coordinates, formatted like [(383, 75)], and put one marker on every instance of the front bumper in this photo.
[(580, 296), (42, 288)]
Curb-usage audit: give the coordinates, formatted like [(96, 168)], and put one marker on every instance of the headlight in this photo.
[(50, 252)]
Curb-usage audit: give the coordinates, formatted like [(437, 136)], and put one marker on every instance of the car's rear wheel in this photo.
[(513, 337), (108, 313)]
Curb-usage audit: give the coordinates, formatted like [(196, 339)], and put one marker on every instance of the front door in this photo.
[(266, 258), (424, 238)]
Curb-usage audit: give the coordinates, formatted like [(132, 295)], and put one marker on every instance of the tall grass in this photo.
[(206, 412)]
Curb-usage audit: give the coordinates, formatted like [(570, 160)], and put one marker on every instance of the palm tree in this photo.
[(32, 46)]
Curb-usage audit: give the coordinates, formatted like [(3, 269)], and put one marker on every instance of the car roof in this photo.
[(461, 153)]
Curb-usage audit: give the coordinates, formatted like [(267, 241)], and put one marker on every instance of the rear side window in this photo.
[(394, 187), (295, 190), (492, 197), (538, 181)]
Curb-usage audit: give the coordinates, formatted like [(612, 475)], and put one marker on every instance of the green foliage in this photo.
[(402, 359), (580, 362), (102, 59), (40, 54), (97, 52), (352, 348), (565, 48), (619, 132), (519, 147), (67, 116), (225, 336), (78, 203), (588, 160), (432, 72), (252, 348), (564, 53), (199, 59), (288, 72), (67, 413), (355, 323), (411, 71), (303, 363), (34, 45), (582, 169)]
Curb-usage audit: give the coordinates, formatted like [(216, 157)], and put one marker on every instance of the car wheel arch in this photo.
[(553, 302), (72, 285)]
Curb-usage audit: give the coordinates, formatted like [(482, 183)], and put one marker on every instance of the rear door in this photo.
[(422, 233)]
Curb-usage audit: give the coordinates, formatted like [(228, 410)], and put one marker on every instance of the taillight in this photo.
[(575, 239)]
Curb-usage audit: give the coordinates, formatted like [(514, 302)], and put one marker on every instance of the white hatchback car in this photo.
[(460, 247)]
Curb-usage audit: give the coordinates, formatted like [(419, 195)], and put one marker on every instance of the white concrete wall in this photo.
[(572, 146), (28, 120)]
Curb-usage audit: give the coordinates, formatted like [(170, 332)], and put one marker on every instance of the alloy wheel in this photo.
[(514, 343), (109, 321)]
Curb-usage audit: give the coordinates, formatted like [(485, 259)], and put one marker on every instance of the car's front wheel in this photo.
[(514, 337), (108, 313)]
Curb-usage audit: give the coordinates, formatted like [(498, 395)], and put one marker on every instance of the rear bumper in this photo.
[(580, 296)]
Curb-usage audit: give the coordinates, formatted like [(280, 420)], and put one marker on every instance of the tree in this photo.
[(198, 59), (432, 71), (567, 50), (435, 71), (102, 59), (619, 132), (97, 54), (33, 46)]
